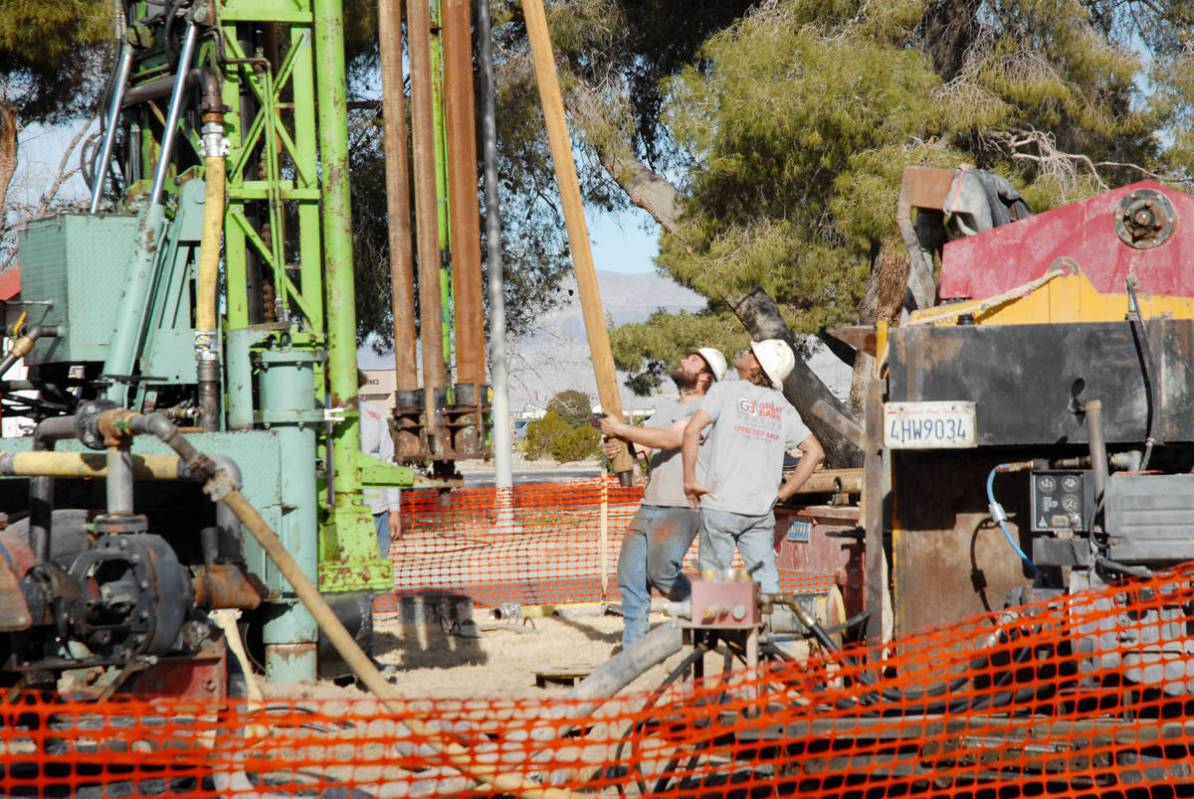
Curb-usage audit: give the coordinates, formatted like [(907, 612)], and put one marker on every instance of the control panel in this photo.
[(1062, 500)]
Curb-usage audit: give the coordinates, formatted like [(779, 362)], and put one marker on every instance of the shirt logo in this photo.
[(763, 410)]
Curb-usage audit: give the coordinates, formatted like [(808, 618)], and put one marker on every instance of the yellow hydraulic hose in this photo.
[(84, 465), (209, 245)]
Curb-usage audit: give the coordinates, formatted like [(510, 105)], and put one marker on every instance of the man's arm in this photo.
[(811, 456), (652, 437), (688, 452)]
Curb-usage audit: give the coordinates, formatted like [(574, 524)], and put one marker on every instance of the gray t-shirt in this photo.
[(666, 486), (752, 428)]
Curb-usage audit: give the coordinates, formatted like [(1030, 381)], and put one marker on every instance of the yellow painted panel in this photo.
[(1069, 297)]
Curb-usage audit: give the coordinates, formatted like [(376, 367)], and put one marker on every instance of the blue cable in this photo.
[(1000, 516)]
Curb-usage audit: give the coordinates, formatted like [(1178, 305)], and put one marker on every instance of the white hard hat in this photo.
[(776, 358), (716, 361)]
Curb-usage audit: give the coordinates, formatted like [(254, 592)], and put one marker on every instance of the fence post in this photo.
[(604, 533)]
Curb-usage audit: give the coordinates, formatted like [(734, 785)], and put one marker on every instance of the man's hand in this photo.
[(612, 427), (695, 491), (611, 448), (395, 522)]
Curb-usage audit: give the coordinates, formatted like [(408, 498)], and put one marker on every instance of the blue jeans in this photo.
[(382, 522), (652, 554), (754, 537)]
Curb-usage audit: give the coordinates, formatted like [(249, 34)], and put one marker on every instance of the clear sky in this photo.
[(622, 243)]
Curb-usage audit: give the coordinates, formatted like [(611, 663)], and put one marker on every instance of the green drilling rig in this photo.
[(209, 289)]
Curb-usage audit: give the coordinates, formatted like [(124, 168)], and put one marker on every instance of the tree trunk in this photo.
[(946, 32), (884, 299), (825, 414), (647, 189), (8, 156)]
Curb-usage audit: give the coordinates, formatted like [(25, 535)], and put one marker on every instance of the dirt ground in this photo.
[(497, 658), (433, 656)]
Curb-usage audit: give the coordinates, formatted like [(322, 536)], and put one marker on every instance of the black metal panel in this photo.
[(1025, 379)]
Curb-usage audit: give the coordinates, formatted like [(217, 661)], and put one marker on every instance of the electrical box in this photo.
[(78, 264), (1062, 500)]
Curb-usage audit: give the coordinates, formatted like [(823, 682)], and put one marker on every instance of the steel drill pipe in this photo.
[(462, 192), (402, 275), (498, 365), (422, 118)]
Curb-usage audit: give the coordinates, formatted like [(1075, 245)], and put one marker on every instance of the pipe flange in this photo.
[(1145, 219), (87, 423)]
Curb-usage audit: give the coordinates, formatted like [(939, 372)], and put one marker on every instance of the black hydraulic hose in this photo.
[(1146, 358), (1122, 568)]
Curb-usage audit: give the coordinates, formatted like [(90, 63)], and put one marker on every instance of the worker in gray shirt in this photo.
[(662, 530), (384, 503), (753, 425)]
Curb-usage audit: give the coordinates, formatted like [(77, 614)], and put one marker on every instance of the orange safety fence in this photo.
[(533, 544), (1078, 696)]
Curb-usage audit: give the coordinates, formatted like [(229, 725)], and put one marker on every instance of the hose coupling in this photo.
[(205, 346), (214, 143)]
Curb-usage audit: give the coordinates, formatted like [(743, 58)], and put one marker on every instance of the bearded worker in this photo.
[(664, 527)]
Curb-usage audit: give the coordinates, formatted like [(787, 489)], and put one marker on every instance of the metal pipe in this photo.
[(172, 115), (503, 444), (1098, 447), (468, 314), (41, 489), (402, 277), (118, 483), (100, 171), (21, 347), (427, 236), (331, 104)]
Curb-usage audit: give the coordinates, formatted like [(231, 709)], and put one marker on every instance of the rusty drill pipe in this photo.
[(418, 26), (402, 275), (402, 269), (462, 194)]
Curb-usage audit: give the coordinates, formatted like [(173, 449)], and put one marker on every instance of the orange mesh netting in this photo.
[(535, 544), (1079, 696)]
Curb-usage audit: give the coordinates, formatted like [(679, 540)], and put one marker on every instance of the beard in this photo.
[(684, 380)]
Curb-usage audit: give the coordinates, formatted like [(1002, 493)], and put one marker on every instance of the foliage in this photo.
[(541, 434), (572, 406), (564, 432), (48, 56), (578, 444)]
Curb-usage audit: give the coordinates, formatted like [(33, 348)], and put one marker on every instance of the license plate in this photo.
[(928, 425)]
